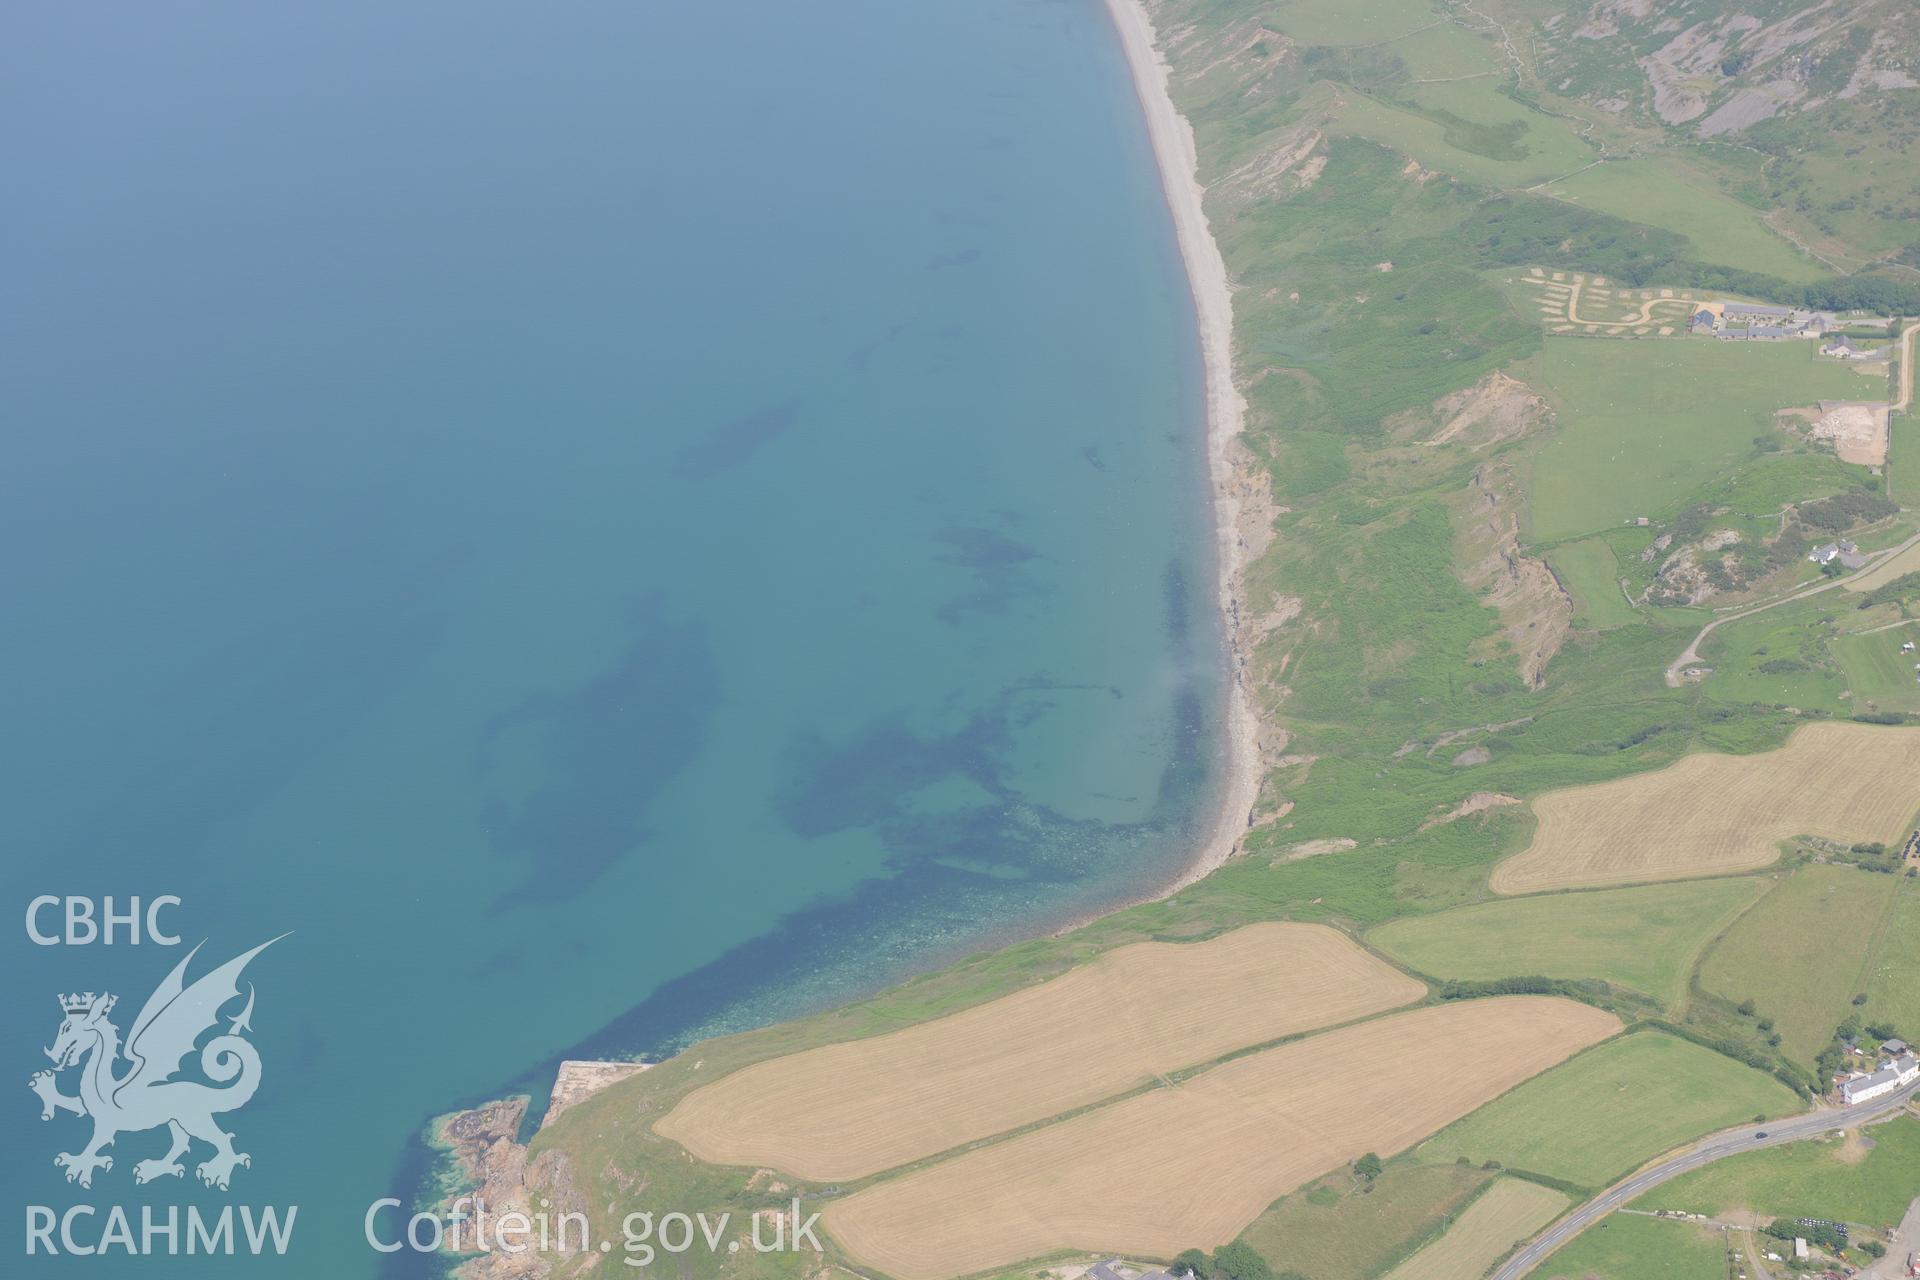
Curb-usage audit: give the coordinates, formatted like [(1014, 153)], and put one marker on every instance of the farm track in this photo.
[(1691, 654)]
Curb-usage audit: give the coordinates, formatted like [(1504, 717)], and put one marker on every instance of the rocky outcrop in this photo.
[(494, 1170)]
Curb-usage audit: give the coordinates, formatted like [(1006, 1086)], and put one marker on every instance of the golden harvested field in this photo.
[(847, 1110), (1510, 1211), (1194, 1163), (1711, 814)]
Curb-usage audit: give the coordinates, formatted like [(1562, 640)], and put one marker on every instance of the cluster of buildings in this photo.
[(1754, 322), (1897, 1069)]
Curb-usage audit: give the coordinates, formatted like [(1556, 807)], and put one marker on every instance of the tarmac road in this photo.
[(1729, 1142)]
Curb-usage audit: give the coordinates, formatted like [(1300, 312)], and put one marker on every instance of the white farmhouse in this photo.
[(1894, 1074)]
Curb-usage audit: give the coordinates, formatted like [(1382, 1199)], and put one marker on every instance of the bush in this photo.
[(1368, 1166), (1844, 510), (1191, 1262), (1239, 1261)]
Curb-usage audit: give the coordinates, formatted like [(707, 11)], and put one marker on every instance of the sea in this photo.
[(587, 525)]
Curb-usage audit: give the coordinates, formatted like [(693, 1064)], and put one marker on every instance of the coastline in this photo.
[(1234, 502), (1240, 509)]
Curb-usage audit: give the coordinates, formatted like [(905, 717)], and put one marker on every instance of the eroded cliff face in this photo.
[(1535, 612)]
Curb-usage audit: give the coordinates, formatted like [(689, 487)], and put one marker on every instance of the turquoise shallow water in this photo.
[(609, 522)]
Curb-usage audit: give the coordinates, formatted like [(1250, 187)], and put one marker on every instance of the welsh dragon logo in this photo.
[(145, 1095)]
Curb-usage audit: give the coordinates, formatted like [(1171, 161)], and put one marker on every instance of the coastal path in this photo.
[(1728, 1142)]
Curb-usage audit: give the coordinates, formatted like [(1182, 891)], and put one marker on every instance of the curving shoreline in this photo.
[(1234, 503)]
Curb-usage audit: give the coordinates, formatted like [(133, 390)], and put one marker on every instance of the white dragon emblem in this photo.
[(146, 1095)]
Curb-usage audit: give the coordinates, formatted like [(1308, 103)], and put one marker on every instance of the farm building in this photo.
[(1893, 1074), (1756, 311), (1894, 1048), (1844, 551), (1702, 322), (1844, 348)]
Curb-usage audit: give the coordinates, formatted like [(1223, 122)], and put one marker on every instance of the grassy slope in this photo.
[(1808, 1179), (1591, 574), (1650, 191), (1450, 109), (1597, 1117), (1799, 955), (1341, 1229), (1627, 1246), (1645, 938), (1881, 676)]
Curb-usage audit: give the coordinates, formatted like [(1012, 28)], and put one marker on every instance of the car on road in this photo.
[(1761, 1134)]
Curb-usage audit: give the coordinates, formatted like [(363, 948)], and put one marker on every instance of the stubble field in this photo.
[(1194, 1163), (1711, 814), (848, 1110)]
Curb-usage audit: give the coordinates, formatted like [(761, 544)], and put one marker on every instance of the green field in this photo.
[(1473, 131), (1815, 1179), (1903, 460), (1651, 192), (1509, 1212), (1780, 657), (1340, 1229), (1647, 938), (1627, 1246), (1612, 1108), (1881, 677), (1893, 972), (1799, 955), (1644, 424), (1591, 575)]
